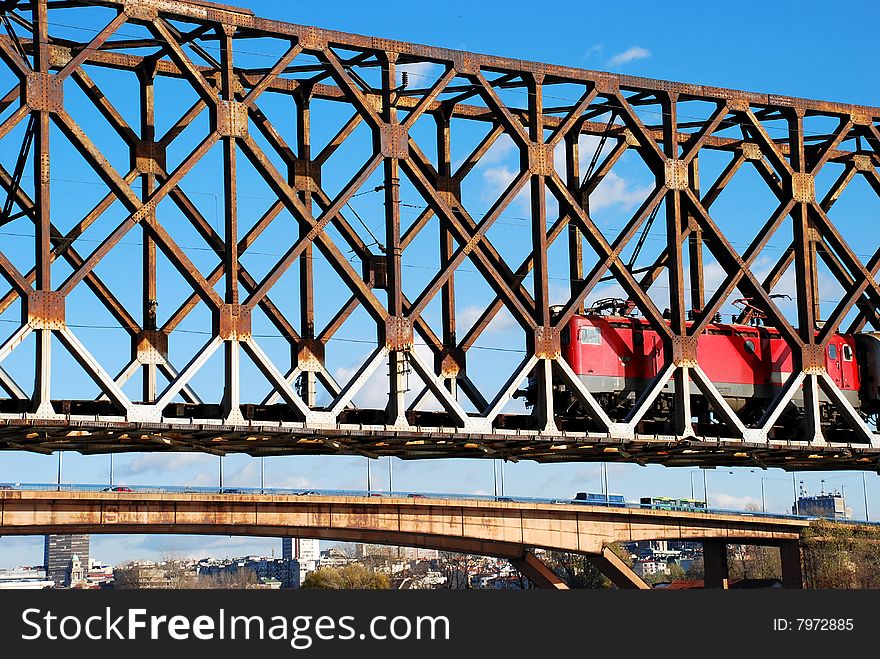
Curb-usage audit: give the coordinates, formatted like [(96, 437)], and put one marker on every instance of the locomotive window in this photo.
[(749, 347), (565, 336), (590, 336), (847, 353), (832, 352), (638, 338)]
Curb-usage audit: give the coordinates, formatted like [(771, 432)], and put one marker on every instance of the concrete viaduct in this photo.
[(509, 530)]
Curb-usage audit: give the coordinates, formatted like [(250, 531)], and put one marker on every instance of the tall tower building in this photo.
[(302, 549), (58, 552)]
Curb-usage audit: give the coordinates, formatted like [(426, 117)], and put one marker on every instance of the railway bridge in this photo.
[(167, 332)]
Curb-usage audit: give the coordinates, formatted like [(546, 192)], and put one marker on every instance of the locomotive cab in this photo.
[(868, 358), (617, 357)]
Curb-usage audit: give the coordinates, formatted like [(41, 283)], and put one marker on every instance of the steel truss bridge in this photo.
[(407, 128)]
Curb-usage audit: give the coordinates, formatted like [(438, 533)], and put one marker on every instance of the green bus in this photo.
[(670, 503)]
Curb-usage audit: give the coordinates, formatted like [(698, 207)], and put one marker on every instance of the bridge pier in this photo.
[(715, 573), (790, 557), (613, 567), (536, 571), (716, 569)]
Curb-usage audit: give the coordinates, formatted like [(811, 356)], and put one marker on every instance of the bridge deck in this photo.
[(89, 435), (505, 529)]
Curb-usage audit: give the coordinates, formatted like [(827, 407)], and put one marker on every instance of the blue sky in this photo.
[(782, 48)]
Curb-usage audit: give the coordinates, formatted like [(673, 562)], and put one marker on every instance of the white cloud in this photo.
[(615, 190), (146, 463), (629, 55), (730, 502), (595, 49), (500, 151), (421, 74), (374, 392), (501, 322)]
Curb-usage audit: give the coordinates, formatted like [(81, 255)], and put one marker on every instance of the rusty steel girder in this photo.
[(663, 125)]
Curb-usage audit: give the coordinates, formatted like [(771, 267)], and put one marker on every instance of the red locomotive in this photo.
[(617, 355)]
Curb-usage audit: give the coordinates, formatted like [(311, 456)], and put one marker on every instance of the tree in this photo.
[(178, 573), (352, 576), (227, 580), (456, 569), (130, 576), (578, 571), (841, 556), (696, 570), (753, 562), (674, 572)]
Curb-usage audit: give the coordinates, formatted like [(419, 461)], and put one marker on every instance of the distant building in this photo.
[(24, 578), (302, 549), (58, 552), (274, 572), (76, 575), (648, 567), (831, 506)]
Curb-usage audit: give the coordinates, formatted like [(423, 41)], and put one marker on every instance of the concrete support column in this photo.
[(537, 572), (613, 567), (715, 564), (790, 557)]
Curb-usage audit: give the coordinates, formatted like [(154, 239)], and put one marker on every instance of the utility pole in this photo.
[(111, 470), (495, 476), (369, 484), (262, 474), (221, 473), (59, 470), (865, 493), (797, 508), (390, 476)]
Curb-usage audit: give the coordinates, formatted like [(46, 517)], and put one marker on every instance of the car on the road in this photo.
[(117, 488), (415, 496), (505, 499), (6, 487), (231, 490), (307, 493)]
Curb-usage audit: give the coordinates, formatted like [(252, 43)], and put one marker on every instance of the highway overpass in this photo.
[(506, 529)]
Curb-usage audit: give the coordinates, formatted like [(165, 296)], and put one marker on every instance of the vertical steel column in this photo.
[(42, 240), (674, 221), (148, 258), (695, 243), (535, 161), (308, 389), (447, 293), (397, 359), (802, 190), (231, 351), (575, 242)]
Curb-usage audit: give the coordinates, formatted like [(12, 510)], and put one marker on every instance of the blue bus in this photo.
[(599, 499)]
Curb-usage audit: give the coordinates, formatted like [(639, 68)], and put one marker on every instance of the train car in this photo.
[(616, 357)]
